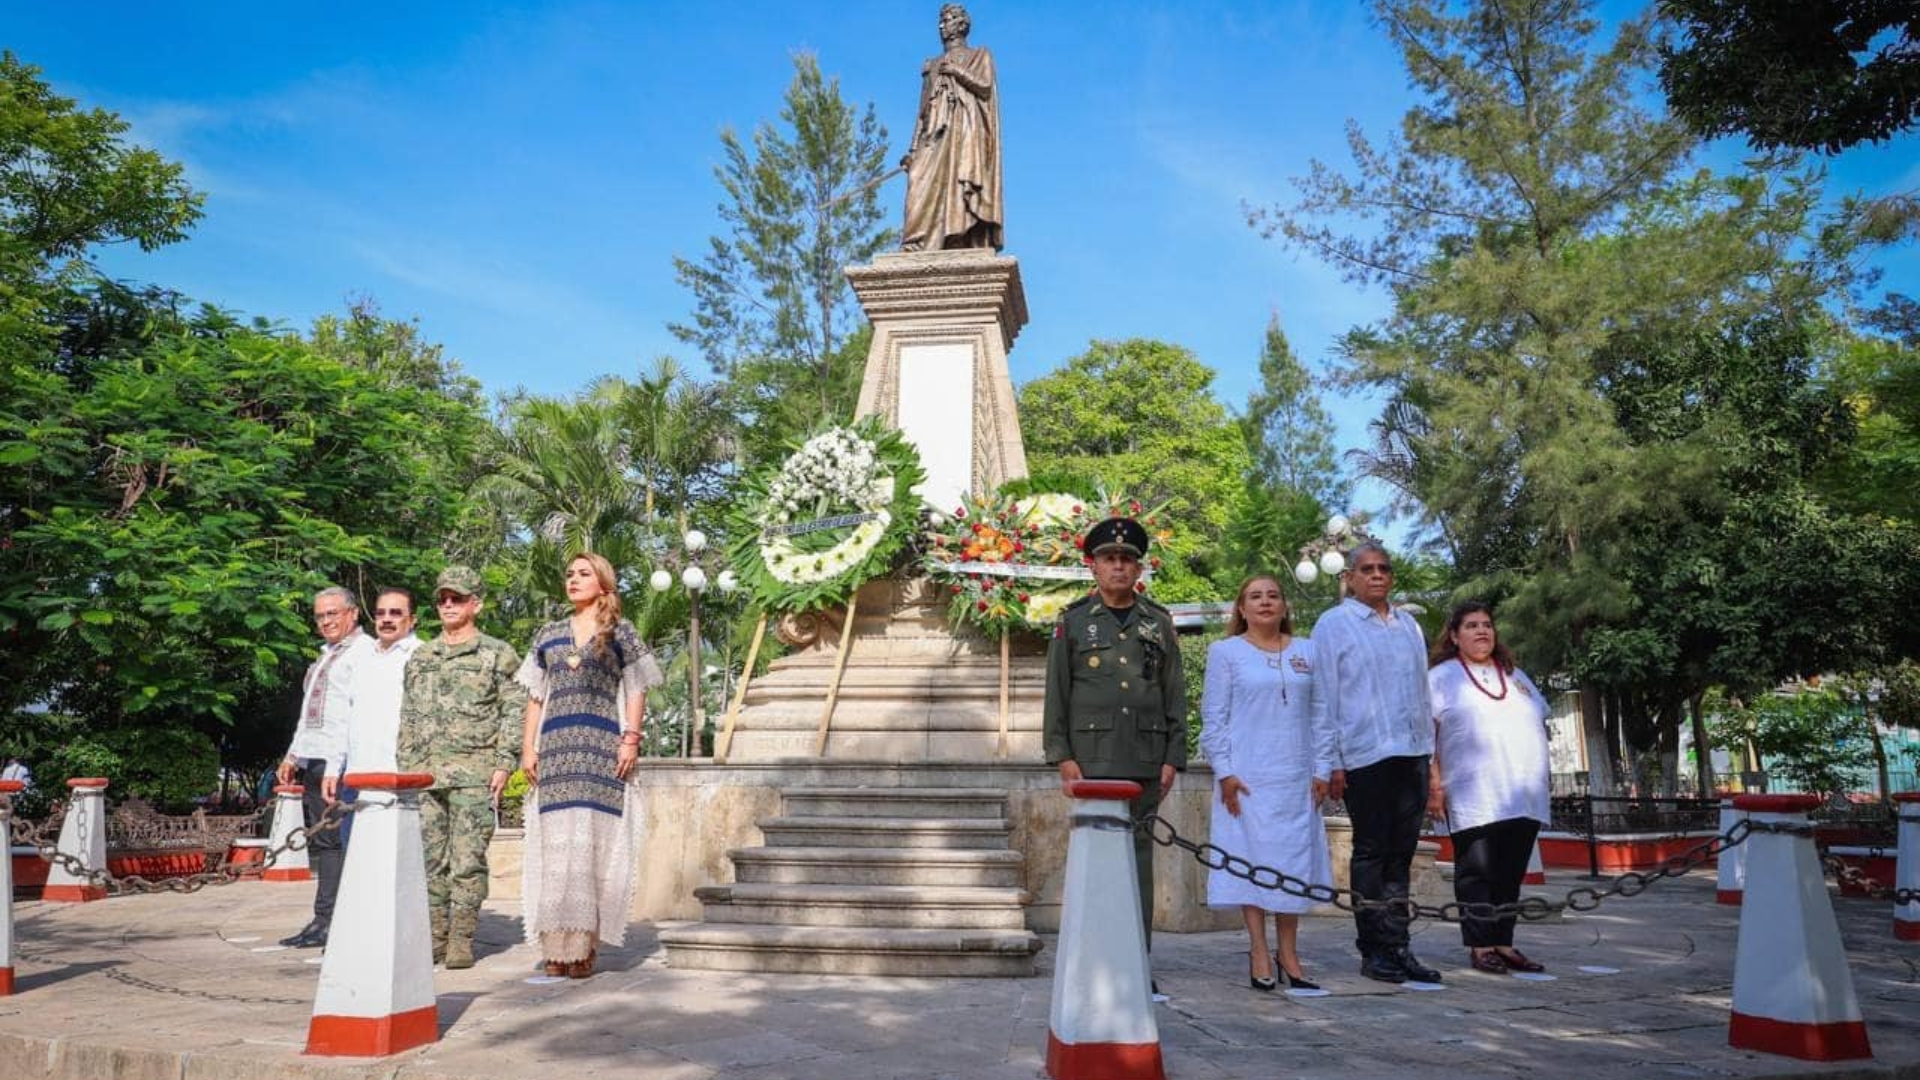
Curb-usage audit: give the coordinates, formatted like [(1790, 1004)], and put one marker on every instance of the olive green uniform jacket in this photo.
[(1116, 698)]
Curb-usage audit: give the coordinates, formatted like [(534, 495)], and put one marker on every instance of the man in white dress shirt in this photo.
[(1371, 670), (373, 725), (326, 702)]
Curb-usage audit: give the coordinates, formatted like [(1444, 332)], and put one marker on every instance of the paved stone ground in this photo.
[(176, 987)]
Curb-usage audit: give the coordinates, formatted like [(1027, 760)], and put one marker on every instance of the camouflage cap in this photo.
[(1119, 534), (464, 580)]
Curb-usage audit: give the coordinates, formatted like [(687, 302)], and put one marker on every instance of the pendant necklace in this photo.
[(1497, 670), (1276, 661)]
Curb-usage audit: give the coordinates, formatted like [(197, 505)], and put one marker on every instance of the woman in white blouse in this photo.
[(1267, 736), (1490, 746)]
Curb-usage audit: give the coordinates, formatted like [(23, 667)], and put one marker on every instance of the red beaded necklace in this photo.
[(1497, 669)]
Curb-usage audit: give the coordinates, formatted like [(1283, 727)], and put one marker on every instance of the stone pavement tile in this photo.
[(760, 1048)]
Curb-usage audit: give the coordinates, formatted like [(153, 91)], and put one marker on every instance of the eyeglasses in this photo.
[(398, 613), (448, 598), (329, 616)]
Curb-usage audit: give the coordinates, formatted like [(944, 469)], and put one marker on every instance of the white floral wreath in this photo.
[(834, 469)]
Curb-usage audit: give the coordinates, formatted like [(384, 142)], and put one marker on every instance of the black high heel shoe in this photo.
[(1267, 985), (1294, 982)]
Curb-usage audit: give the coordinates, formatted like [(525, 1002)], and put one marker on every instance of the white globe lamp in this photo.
[(693, 578), (1305, 572), (1337, 525), (695, 541), (727, 581), (1332, 562), (661, 580)]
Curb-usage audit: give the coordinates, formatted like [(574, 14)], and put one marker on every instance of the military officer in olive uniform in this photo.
[(460, 719), (1116, 699)]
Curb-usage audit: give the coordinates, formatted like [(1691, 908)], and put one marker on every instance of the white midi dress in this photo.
[(1264, 723)]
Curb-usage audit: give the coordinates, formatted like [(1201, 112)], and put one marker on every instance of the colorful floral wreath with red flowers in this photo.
[(1014, 563)]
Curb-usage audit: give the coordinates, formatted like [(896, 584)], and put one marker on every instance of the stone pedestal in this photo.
[(943, 323), (914, 690)]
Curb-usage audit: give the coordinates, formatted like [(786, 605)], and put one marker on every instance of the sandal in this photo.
[(556, 969), (581, 969), (1265, 984)]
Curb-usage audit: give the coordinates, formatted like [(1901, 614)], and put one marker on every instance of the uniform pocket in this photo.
[(1093, 721)]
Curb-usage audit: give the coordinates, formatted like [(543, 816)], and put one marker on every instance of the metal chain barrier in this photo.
[(1530, 909), (1852, 876), (225, 874)]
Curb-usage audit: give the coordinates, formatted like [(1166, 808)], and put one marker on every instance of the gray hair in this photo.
[(341, 593), (1365, 546)]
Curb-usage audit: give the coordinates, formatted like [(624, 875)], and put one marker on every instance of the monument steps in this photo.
[(876, 866), (834, 950), (897, 802), (886, 832), (970, 907), (870, 881)]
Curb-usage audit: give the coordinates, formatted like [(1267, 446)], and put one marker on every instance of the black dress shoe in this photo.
[(1265, 984), (1382, 967), (311, 936), (1416, 971)]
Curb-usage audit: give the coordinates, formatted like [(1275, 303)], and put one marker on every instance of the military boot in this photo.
[(460, 929), (437, 925)]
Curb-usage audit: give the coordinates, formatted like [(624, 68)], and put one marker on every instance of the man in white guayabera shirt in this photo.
[(326, 701), (373, 724), (1371, 669)]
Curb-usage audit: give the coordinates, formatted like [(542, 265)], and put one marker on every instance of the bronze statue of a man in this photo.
[(953, 164)]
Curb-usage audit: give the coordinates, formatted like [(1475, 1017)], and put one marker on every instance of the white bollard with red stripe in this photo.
[(376, 979), (1906, 874), (1102, 1026), (1792, 992), (1731, 864), (289, 817), (8, 789), (83, 834), (1536, 869)]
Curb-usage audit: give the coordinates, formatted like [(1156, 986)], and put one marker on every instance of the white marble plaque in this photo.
[(936, 416)]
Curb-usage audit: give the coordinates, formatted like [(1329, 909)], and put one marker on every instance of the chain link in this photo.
[(224, 874), (1529, 909), (1852, 876)]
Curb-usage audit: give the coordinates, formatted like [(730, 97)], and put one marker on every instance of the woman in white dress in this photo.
[(1267, 736), (1491, 771)]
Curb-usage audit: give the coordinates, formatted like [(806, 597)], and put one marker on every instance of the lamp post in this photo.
[(695, 579), (1326, 553)]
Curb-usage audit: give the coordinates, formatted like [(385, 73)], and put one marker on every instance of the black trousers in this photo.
[(1386, 801), (326, 851), (1489, 862)]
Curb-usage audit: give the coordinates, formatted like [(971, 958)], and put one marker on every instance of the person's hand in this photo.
[(625, 758), (1436, 800), (329, 788), (284, 774), (1231, 788), (530, 764), (1320, 789), (496, 784), (1337, 786), (1167, 773), (1069, 775)]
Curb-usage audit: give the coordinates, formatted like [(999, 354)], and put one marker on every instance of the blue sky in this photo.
[(519, 177)]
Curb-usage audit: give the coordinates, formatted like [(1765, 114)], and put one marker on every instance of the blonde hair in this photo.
[(606, 606), (1237, 622)]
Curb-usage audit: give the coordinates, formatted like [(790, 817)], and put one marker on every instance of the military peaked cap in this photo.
[(1117, 534)]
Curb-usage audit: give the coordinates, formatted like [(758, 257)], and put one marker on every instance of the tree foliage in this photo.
[(1600, 374), (772, 308), (1139, 417), (1795, 74), (1289, 432)]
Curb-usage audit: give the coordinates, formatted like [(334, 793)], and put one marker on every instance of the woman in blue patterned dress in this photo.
[(587, 678)]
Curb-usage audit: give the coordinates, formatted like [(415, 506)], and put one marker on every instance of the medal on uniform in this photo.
[(1093, 661)]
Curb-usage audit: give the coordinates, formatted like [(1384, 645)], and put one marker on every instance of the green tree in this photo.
[(1290, 434), (772, 309), (1810, 737), (1139, 417), (1794, 74), (1531, 216), (68, 183)]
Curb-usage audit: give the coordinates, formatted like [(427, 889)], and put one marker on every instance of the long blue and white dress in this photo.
[(581, 819), (1264, 723)]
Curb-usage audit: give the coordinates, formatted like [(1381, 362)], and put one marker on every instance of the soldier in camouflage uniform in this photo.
[(460, 720), (1116, 698)]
